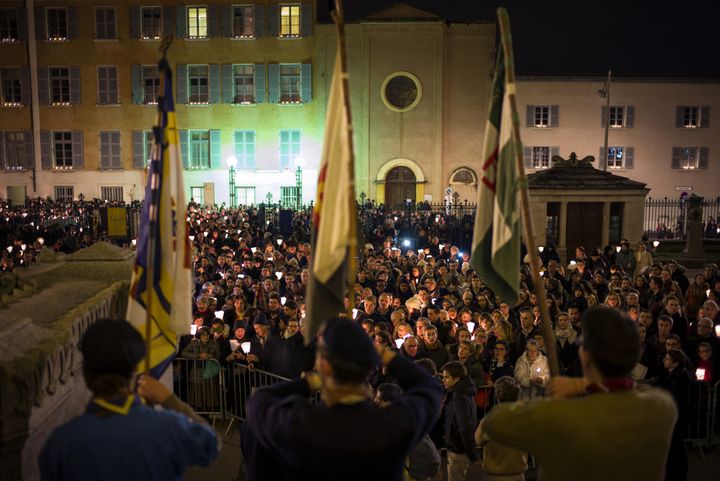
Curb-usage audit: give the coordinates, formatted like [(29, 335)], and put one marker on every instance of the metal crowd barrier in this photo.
[(201, 384)]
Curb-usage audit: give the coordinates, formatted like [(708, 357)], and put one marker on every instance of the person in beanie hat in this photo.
[(117, 430), (287, 437)]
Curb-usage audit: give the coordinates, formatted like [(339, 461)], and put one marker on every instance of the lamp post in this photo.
[(299, 161), (232, 162), (605, 93)]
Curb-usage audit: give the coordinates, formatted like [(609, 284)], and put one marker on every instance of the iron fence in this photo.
[(200, 384), (667, 218)]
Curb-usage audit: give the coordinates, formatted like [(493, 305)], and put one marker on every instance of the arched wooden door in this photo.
[(400, 185)]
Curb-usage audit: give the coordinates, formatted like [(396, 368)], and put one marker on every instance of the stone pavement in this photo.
[(226, 467)]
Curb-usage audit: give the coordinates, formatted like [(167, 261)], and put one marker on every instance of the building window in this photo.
[(245, 195), (199, 150), (463, 175), (105, 23), (243, 22), (15, 153), (111, 193), (691, 117), (151, 18), (64, 193), (542, 116), (616, 157), (107, 85), (291, 196), (197, 22), (245, 149), (289, 148), (198, 84), (110, 150), (540, 157), (60, 85), (57, 24), (151, 84), (149, 140), (687, 158), (244, 83), (289, 20), (617, 117), (197, 195), (62, 145), (10, 87), (290, 83), (8, 25)]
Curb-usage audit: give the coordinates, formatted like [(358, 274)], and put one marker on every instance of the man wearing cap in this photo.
[(119, 437), (346, 436)]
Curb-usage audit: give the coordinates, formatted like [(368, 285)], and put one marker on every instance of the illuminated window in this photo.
[(244, 84), (151, 18), (8, 25), (197, 22), (617, 117), (540, 157), (463, 175), (289, 20), (199, 150), (691, 117), (689, 158), (10, 86), (151, 84), (63, 149), (15, 151), (57, 24), (616, 157), (243, 21), (290, 83), (542, 116), (198, 84)]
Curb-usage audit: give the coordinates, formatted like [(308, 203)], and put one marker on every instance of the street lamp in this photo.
[(232, 163), (605, 93)]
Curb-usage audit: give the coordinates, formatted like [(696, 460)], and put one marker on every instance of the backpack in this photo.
[(424, 459)]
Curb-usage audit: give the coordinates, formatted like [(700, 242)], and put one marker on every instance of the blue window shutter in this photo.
[(530, 116), (75, 85), (679, 117), (181, 79), (227, 83), (554, 115), (629, 157), (138, 139), (705, 116), (72, 22), (134, 22), (306, 83), (25, 85), (603, 116), (259, 83), (212, 21), (77, 149), (114, 97), (273, 21), (226, 21), (306, 19), (630, 116), (136, 83), (274, 83), (43, 85), (29, 149), (180, 22), (46, 149), (167, 21), (40, 25), (527, 157), (259, 20), (704, 157), (184, 149), (21, 23), (214, 71), (215, 150), (675, 158)]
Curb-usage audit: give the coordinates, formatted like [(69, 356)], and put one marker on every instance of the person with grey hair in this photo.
[(500, 462), (710, 310)]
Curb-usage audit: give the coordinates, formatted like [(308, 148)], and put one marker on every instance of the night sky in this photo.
[(633, 38)]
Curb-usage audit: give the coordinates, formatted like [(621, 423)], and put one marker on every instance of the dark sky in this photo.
[(633, 38)]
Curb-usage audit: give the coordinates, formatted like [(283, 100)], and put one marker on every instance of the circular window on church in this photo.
[(401, 91)]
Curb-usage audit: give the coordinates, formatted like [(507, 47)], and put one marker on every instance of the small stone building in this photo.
[(574, 204)]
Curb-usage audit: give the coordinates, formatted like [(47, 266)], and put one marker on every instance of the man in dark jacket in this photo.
[(432, 348), (460, 420), (286, 437)]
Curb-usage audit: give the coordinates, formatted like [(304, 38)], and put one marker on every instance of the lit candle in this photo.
[(245, 346), (193, 329), (471, 326), (283, 300), (617, 249), (541, 248), (717, 330), (700, 374), (278, 275), (279, 242), (355, 313), (219, 314), (656, 243), (399, 342)]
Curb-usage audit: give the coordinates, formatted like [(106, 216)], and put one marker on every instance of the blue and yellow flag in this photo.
[(163, 250)]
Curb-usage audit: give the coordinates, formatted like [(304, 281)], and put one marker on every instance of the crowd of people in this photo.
[(416, 294)]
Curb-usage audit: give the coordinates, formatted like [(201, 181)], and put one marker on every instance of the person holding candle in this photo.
[(532, 371)]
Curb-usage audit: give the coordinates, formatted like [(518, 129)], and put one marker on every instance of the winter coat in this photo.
[(461, 419), (524, 370)]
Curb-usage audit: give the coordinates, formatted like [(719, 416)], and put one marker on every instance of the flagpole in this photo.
[(545, 324), (339, 17)]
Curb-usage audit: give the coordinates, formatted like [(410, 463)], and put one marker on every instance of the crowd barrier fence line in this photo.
[(201, 384)]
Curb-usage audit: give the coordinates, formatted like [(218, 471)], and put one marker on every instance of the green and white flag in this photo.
[(496, 237)]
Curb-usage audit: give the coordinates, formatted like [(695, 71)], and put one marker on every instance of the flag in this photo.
[(334, 215), (496, 236), (163, 243)]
